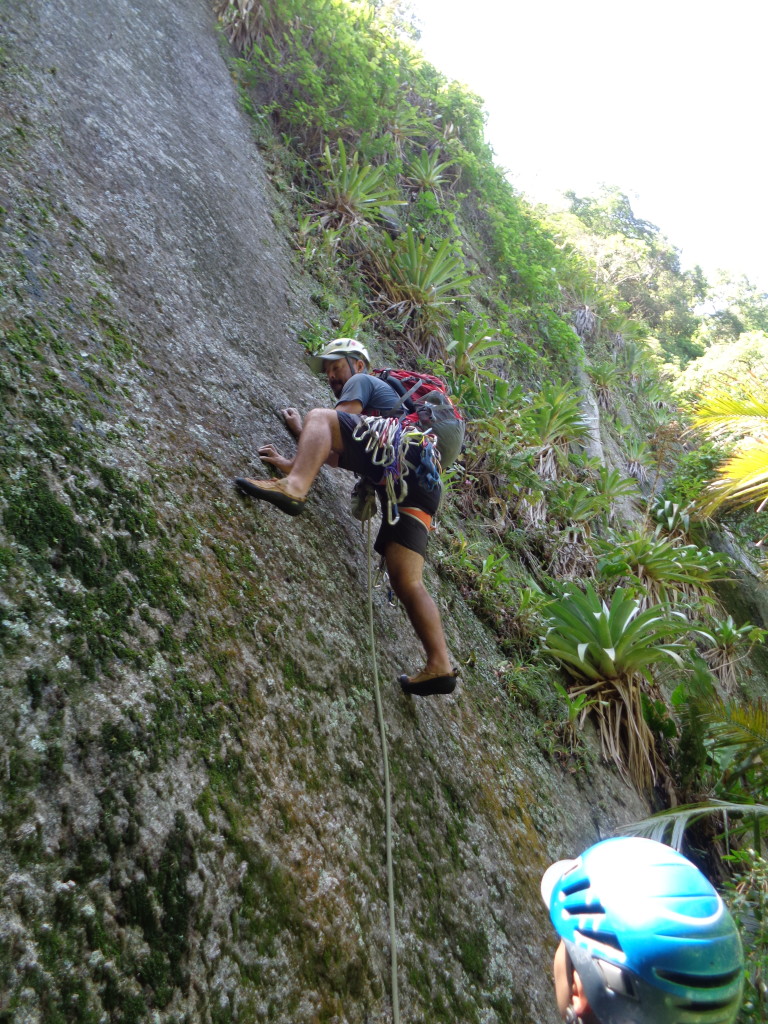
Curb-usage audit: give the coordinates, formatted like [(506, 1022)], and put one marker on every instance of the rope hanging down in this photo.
[(387, 793)]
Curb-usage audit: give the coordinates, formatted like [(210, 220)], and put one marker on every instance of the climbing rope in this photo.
[(387, 792)]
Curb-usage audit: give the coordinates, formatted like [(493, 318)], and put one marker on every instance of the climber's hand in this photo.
[(268, 453), (292, 420)]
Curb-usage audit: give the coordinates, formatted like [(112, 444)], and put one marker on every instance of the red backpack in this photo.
[(443, 418), (413, 387)]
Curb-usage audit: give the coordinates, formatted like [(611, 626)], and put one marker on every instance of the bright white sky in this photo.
[(664, 98)]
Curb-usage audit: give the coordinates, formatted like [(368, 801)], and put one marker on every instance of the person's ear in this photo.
[(579, 1000)]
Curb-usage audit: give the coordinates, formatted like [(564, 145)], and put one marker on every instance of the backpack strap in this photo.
[(405, 396)]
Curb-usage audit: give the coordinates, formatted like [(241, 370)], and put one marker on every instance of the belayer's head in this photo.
[(645, 938), (341, 359)]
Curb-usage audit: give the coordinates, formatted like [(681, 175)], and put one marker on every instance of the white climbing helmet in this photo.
[(339, 348)]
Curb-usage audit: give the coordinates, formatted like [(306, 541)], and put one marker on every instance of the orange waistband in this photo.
[(420, 514)]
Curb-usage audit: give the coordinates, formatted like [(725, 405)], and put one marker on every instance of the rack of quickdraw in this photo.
[(389, 441)]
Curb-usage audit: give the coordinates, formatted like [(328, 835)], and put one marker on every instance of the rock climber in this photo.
[(365, 410), (644, 938)]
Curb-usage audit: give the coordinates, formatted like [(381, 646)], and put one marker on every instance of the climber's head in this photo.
[(645, 938), (341, 359), (340, 348)]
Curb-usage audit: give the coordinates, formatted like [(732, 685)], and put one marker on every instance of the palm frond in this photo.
[(721, 412), (669, 826), (743, 478), (741, 734)]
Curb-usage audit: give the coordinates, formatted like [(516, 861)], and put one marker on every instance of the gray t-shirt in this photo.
[(379, 399), (376, 396)]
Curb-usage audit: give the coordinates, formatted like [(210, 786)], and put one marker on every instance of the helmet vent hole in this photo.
[(579, 885), (602, 938), (699, 981), (580, 909)]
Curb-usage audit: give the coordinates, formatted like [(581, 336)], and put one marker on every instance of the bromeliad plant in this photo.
[(639, 459), (605, 376), (471, 347), (611, 485), (668, 572), (422, 284), (354, 193), (632, 359), (426, 172), (608, 649), (729, 645), (674, 520), (576, 507), (405, 126), (554, 421)]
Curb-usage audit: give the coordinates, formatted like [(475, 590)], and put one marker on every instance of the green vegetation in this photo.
[(422, 285), (571, 528), (607, 649), (743, 477), (747, 896), (354, 193)]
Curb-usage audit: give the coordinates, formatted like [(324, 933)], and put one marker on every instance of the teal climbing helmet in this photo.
[(651, 939)]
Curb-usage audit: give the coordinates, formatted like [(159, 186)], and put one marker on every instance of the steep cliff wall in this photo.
[(192, 814)]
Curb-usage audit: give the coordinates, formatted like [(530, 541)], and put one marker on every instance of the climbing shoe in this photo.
[(269, 490), (424, 686)]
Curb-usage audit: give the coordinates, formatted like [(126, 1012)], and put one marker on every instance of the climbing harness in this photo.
[(389, 442), (387, 794)]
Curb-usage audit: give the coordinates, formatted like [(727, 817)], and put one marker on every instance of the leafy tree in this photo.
[(732, 363), (611, 214), (734, 307), (639, 263)]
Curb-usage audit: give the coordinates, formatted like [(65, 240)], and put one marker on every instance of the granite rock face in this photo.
[(192, 814)]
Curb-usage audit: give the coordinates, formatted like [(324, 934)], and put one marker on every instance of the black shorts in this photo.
[(410, 531)]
